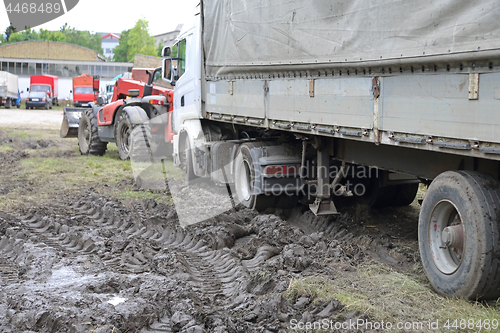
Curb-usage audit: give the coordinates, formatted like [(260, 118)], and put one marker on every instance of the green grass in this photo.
[(4, 148), (65, 170), (385, 294)]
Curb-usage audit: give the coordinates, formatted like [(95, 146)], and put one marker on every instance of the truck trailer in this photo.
[(46, 83), (292, 95), (9, 91)]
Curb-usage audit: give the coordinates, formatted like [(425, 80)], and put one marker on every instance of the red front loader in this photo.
[(138, 120)]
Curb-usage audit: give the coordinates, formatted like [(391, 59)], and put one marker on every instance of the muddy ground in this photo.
[(87, 261)]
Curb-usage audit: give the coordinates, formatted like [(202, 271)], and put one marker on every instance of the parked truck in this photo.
[(46, 83), (83, 90), (9, 93), (282, 100), (72, 115), (139, 113)]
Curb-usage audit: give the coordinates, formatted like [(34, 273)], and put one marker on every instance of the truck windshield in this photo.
[(84, 90), (37, 87), (109, 88)]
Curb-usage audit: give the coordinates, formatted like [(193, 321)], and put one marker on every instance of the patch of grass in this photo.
[(4, 148), (385, 294), (141, 195), (34, 134), (23, 135)]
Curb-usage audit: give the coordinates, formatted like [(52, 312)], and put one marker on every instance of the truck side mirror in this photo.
[(27, 89), (166, 71), (166, 51)]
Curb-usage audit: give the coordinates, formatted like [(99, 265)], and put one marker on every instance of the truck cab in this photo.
[(184, 70)]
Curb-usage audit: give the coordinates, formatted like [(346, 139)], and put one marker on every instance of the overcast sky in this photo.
[(116, 16)]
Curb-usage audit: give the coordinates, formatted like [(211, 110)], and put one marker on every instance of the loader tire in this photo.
[(123, 137), (141, 139), (88, 137)]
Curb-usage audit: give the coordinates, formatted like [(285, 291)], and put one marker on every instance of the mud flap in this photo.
[(71, 120)]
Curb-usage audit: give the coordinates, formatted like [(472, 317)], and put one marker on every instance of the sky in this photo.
[(116, 16)]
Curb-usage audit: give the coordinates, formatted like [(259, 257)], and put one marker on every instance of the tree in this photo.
[(120, 51), (135, 41), (56, 36), (66, 34), (23, 36), (159, 48), (140, 41), (9, 31), (82, 38)]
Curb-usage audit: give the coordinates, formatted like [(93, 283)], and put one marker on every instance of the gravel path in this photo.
[(47, 119)]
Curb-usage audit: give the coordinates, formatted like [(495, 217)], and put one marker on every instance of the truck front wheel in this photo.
[(88, 137), (459, 235), (244, 179)]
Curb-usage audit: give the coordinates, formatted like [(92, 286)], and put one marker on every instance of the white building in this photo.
[(168, 38), (108, 43)]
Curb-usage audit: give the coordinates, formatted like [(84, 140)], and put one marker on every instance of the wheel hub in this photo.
[(446, 237), (453, 236)]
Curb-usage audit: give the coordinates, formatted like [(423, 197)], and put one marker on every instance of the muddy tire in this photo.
[(375, 195), (88, 138), (404, 194), (187, 160), (244, 174), (141, 139), (123, 136), (459, 235)]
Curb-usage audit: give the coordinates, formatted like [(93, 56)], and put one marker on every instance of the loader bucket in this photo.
[(71, 120)]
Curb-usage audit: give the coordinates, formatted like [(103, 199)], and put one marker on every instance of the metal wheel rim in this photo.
[(125, 139), (446, 258), (244, 181)]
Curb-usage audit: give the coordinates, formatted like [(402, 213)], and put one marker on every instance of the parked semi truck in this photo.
[(290, 96), (9, 93), (46, 83)]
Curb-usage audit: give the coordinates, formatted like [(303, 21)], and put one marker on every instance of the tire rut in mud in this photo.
[(224, 274)]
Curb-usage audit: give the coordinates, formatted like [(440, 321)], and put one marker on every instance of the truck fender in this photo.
[(136, 114)]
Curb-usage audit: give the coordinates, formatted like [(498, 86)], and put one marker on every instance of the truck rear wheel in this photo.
[(404, 194), (88, 137), (459, 235), (8, 103), (373, 194), (244, 174)]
